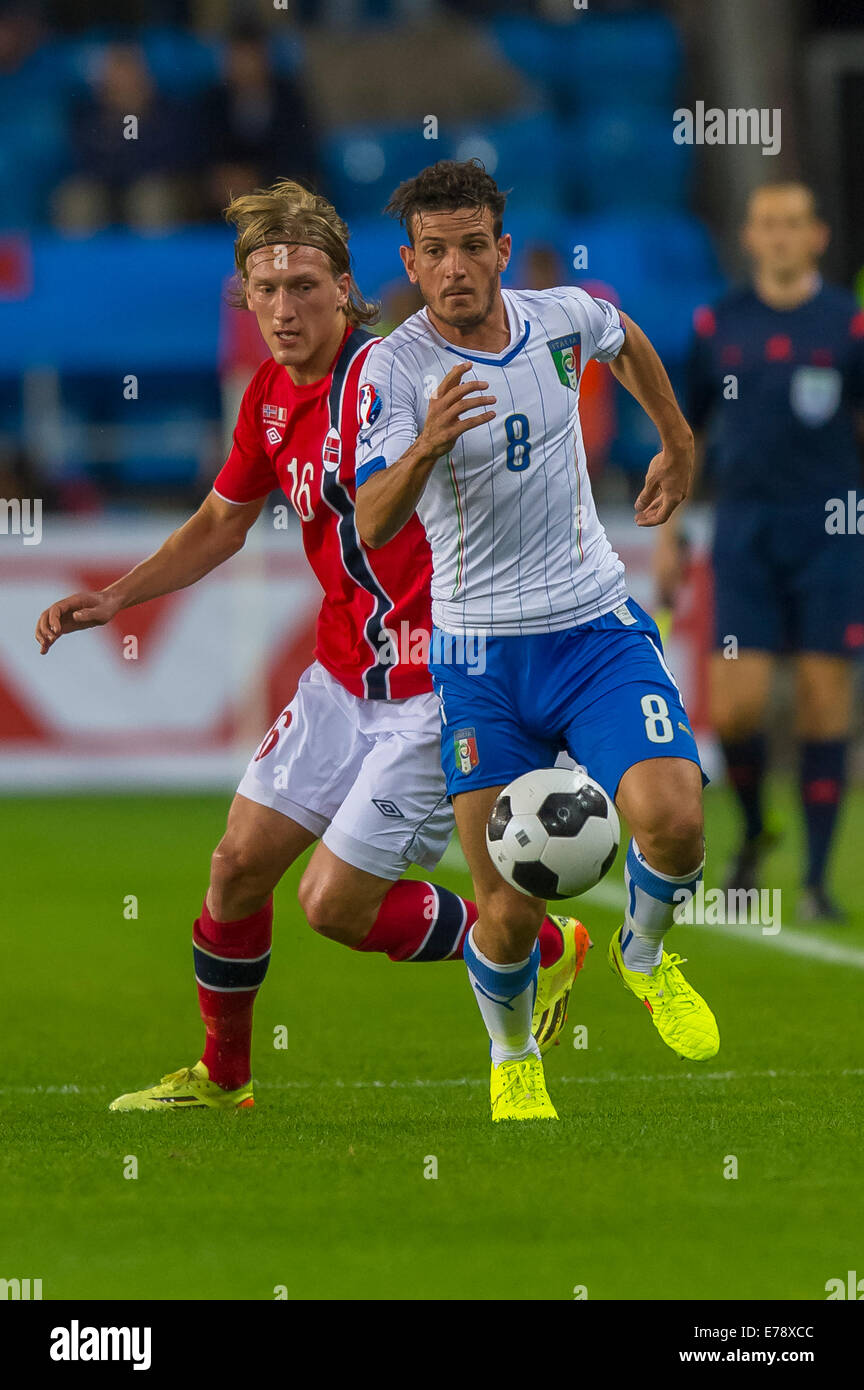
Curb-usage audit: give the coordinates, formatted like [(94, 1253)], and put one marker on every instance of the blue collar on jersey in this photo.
[(494, 359)]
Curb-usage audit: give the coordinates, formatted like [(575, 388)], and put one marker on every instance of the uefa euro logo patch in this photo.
[(369, 405), (465, 748), (567, 356)]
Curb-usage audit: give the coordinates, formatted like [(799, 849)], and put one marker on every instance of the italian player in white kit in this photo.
[(352, 761), (477, 431)]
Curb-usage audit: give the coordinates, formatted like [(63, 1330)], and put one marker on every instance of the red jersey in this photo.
[(375, 621)]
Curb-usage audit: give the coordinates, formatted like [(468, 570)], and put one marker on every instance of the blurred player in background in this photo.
[(520, 558), (777, 369), (353, 760)]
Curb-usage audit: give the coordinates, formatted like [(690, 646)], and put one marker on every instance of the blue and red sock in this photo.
[(231, 960), (745, 766), (416, 921), (425, 922), (823, 782)]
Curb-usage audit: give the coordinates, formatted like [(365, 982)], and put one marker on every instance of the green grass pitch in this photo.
[(320, 1190)]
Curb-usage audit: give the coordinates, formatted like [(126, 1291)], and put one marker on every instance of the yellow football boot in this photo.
[(556, 981), (680, 1015), (518, 1091), (190, 1088)]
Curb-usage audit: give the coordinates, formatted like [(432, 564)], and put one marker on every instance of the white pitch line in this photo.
[(433, 1083), (611, 1078), (791, 941)]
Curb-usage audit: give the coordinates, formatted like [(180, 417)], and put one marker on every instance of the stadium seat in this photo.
[(155, 442), (608, 60), (632, 250), (363, 164), (596, 61), (286, 51), (375, 243), (33, 155), (528, 44), (524, 153), (181, 64), (625, 158)]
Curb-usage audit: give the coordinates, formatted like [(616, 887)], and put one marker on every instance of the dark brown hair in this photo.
[(448, 186)]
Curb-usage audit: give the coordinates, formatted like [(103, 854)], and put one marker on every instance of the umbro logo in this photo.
[(388, 808), (273, 435)]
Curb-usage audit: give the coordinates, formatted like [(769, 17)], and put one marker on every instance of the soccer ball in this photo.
[(553, 833)]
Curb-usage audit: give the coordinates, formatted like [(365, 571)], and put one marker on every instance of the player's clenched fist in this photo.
[(74, 614), (446, 418), (667, 483)]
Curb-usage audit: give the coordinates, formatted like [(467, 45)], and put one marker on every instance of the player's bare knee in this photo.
[(238, 875), (510, 920), (673, 843), (330, 915)]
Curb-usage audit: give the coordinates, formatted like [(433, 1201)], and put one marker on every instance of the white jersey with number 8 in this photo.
[(517, 546)]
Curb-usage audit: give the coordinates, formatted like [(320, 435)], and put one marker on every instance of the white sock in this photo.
[(652, 899), (505, 994)]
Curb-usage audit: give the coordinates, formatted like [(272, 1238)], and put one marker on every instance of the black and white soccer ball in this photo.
[(553, 833)]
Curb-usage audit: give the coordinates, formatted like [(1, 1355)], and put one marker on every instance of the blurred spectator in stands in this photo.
[(256, 123), (17, 474), (541, 267), (138, 174), (32, 119), (72, 16), (344, 13), (19, 37)]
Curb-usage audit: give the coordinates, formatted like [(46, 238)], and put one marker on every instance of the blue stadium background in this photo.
[(583, 141)]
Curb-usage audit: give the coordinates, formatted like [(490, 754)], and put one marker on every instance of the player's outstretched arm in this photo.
[(388, 499), (670, 473), (215, 533)]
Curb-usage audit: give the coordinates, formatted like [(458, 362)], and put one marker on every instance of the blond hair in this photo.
[(288, 214)]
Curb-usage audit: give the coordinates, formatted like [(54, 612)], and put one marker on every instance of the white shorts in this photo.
[(363, 775)]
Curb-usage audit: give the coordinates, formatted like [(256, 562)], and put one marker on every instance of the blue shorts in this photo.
[(601, 692), (783, 584)]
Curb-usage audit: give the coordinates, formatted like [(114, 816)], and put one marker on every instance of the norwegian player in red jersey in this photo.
[(353, 761)]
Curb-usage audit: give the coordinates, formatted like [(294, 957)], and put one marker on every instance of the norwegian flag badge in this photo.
[(278, 413), (331, 453)]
